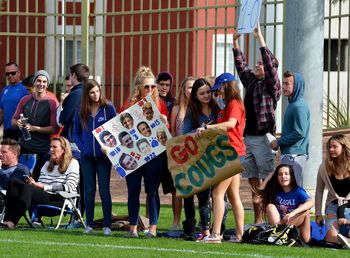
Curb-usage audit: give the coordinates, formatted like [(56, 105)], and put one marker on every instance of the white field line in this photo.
[(157, 249)]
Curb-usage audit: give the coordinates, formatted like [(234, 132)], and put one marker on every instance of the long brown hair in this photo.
[(195, 107), (182, 100), (142, 73), (272, 186), (85, 108), (231, 92), (67, 156), (333, 165)]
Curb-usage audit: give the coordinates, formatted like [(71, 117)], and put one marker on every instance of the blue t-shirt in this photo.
[(287, 202), (9, 98), (188, 127)]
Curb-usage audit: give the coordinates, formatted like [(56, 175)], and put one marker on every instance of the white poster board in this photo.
[(134, 137), (248, 15)]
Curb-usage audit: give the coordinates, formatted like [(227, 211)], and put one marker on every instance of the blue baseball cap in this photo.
[(224, 77)]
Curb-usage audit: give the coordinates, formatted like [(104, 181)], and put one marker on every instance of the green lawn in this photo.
[(25, 242)]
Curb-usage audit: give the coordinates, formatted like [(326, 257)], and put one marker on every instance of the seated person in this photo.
[(60, 173), (10, 168), (343, 215), (285, 203)]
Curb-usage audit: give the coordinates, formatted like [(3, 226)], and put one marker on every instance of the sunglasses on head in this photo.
[(11, 73), (147, 87)]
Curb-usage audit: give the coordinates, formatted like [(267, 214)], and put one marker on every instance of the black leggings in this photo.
[(20, 196), (203, 206)]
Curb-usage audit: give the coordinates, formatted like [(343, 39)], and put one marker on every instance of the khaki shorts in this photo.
[(260, 159)]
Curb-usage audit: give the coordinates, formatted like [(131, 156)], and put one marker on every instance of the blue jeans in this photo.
[(151, 175), (102, 168)]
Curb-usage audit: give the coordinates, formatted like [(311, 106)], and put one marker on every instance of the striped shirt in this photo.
[(55, 181)]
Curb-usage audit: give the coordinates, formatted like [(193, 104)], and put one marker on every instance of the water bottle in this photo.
[(25, 134)]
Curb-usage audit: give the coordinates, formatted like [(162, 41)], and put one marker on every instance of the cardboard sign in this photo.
[(199, 163), (133, 137), (249, 13)]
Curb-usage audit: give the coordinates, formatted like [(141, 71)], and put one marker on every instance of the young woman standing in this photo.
[(232, 119), (95, 110), (144, 84), (202, 110)]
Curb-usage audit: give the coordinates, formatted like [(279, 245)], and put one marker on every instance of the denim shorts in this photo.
[(331, 209), (260, 159)]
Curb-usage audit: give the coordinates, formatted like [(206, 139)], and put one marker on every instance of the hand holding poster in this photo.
[(133, 137), (248, 15), (199, 163)]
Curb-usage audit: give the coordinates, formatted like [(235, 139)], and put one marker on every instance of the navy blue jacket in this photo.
[(70, 106), (84, 139)]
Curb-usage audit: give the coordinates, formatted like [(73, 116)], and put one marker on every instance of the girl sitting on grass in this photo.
[(284, 202)]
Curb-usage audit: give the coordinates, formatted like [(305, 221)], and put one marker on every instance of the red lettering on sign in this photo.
[(179, 155)]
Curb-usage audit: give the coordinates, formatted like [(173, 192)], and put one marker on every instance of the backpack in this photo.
[(287, 235)]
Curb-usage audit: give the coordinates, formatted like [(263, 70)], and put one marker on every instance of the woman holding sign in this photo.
[(143, 85), (95, 110), (232, 119), (202, 110)]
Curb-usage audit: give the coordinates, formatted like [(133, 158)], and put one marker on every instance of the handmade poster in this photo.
[(249, 13), (196, 164), (134, 137)]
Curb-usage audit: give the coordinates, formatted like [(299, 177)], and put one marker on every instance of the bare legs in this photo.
[(255, 184), (177, 206), (301, 220), (231, 186)]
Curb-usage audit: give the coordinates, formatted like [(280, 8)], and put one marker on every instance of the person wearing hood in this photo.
[(294, 140)]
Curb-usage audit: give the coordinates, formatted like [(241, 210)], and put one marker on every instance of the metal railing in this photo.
[(185, 37)]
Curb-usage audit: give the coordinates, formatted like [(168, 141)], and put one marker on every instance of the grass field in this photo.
[(26, 242)]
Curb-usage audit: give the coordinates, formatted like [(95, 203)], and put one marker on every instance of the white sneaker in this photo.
[(88, 230), (344, 241), (210, 239), (107, 231)]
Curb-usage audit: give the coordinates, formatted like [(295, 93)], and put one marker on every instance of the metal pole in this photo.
[(303, 52), (85, 11)]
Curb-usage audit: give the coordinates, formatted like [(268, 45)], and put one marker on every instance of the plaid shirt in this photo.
[(265, 93)]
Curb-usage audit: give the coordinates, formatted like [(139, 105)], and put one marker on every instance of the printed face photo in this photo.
[(162, 137), (108, 139), (148, 113), (126, 140), (128, 162), (144, 146), (127, 121), (144, 129)]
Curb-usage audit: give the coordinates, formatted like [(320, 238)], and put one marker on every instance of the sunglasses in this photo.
[(147, 87), (11, 73)]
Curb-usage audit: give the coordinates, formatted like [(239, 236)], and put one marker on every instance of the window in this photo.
[(221, 62), (337, 59)]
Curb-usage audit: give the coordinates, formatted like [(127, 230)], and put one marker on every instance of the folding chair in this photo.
[(2, 204), (68, 208), (28, 160)]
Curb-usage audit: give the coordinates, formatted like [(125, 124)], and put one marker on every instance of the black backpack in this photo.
[(287, 235)]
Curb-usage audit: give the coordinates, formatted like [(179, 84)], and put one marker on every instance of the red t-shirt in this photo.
[(235, 110)]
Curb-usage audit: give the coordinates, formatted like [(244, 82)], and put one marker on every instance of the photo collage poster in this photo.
[(134, 137)]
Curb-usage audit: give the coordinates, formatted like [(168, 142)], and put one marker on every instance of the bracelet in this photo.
[(205, 127)]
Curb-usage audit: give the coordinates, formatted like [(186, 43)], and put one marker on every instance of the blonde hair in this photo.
[(142, 73), (67, 156), (182, 100), (333, 165)]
